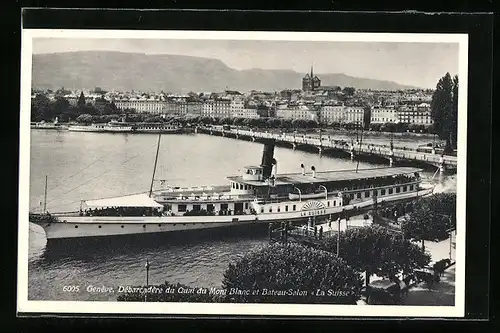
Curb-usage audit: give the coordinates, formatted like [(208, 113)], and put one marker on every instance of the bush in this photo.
[(291, 273)]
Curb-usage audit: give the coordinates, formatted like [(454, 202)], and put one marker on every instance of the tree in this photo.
[(81, 101), (431, 218), (444, 109), (377, 250), (84, 118), (349, 91), (288, 268), (367, 112)]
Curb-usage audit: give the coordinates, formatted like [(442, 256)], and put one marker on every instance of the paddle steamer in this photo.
[(259, 195), (124, 127)]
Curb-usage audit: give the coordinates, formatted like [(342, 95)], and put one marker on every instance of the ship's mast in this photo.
[(154, 170), (360, 145), (45, 196)]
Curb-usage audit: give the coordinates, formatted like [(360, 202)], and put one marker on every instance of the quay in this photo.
[(325, 144)]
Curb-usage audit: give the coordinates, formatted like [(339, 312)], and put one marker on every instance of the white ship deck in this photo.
[(331, 176)]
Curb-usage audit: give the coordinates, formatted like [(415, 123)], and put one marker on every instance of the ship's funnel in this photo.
[(267, 158), (303, 169), (313, 171)]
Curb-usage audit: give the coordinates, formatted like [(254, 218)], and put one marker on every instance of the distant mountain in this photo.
[(170, 73)]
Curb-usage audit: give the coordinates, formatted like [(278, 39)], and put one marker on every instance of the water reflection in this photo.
[(118, 248)]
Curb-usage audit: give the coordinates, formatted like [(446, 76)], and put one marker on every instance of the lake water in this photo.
[(96, 165)]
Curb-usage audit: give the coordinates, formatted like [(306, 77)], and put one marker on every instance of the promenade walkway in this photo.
[(326, 142), (443, 293)]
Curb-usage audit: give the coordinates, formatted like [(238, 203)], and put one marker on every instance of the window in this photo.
[(246, 205), (286, 208), (382, 191), (270, 209), (294, 207), (262, 210), (367, 194), (196, 208), (328, 203), (404, 188), (398, 189), (223, 206), (411, 187), (391, 190), (181, 208)]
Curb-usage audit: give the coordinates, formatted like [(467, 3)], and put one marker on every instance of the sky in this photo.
[(416, 64)]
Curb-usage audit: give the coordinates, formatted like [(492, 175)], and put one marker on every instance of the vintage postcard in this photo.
[(242, 173)]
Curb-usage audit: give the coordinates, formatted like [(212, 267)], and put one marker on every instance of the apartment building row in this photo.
[(327, 114), (216, 108), (419, 114)]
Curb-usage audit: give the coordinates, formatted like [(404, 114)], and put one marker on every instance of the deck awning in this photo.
[(135, 200)]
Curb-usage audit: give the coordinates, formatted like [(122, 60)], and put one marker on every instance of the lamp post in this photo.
[(147, 272), (449, 231), (147, 279), (338, 235)]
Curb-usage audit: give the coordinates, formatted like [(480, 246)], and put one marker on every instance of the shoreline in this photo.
[(375, 134)]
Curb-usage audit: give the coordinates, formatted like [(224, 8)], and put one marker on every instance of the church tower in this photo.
[(310, 82)]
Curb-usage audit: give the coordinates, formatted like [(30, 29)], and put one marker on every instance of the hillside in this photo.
[(170, 73)]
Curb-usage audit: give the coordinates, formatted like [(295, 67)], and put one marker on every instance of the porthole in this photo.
[(76, 226), (100, 227), (122, 226), (159, 225), (144, 226)]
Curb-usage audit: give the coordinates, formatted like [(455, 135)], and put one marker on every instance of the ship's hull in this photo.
[(85, 129), (158, 131), (72, 227), (56, 128), (101, 129)]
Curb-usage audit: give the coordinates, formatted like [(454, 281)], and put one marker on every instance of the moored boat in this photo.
[(156, 128), (111, 127), (259, 195), (55, 125)]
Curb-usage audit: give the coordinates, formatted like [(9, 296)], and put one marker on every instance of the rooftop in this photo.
[(331, 176)]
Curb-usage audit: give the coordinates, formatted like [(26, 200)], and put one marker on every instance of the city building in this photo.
[(295, 112), (354, 115), (216, 108), (382, 115), (143, 105), (182, 106), (332, 114), (416, 114), (310, 82)]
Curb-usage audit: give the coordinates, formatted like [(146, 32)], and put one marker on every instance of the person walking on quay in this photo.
[(320, 232), (315, 231)]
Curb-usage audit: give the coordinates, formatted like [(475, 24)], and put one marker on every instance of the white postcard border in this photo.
[(27, 306)]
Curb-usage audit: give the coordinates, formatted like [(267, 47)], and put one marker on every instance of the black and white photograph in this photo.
[(242, 173)]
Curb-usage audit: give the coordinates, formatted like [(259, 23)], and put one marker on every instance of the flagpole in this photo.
[(45, 196)]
